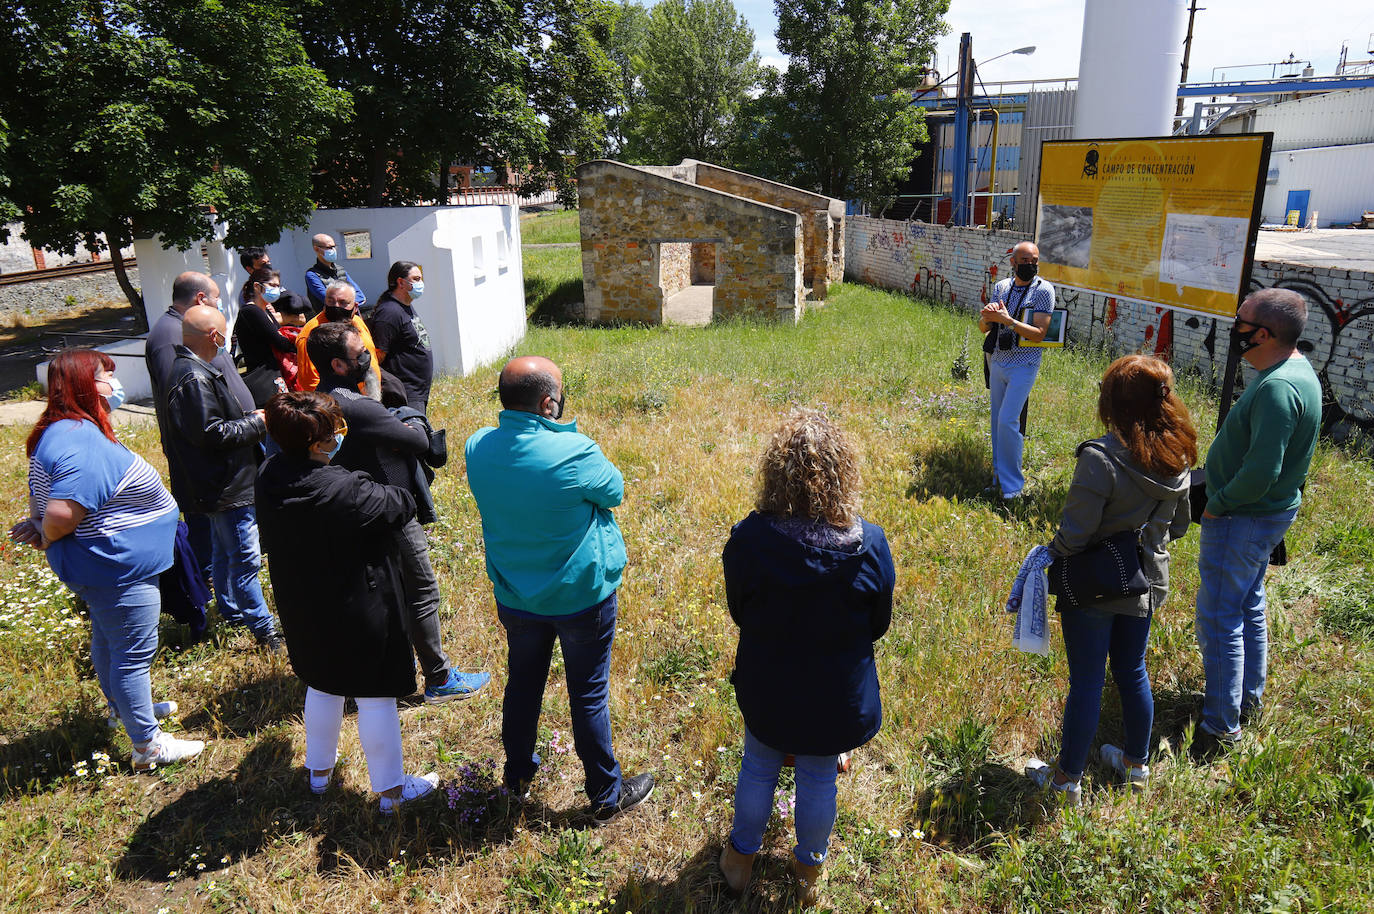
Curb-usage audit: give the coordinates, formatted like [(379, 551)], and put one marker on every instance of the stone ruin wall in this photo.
[(960, 265), (628, 217)]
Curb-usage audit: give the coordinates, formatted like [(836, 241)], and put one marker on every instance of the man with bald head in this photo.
[(188, 290), (325, 270), (340, 305), (554, 557), (213, 443), (1012, 367)]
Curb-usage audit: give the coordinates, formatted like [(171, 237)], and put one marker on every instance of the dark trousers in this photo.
[(586, 639)]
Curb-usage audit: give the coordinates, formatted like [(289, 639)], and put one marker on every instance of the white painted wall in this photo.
[(474, 301), (1128, 68), (473, 315), (1341, 179)]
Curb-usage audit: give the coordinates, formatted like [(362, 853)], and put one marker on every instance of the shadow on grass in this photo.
[(266, 799), (963, 812), (958, 465), (250, 707), (699, 886), (36, 761), (553, 302)]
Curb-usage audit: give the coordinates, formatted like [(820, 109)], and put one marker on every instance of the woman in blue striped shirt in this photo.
[(107, 525)]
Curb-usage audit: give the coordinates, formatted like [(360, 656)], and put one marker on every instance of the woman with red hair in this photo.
[(107, 526), (1135, 477)]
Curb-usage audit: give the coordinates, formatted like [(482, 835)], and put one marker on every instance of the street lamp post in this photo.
[(959, 210)]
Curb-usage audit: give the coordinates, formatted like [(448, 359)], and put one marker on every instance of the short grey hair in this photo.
[(338, 285), (1282, 311)]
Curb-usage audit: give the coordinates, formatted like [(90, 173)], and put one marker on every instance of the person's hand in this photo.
[(996, 313), (28, 533), (272, 313), (261, 414), (1209, 514)]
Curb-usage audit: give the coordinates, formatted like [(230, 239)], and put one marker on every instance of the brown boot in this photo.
[(737, 868), (808, 878)]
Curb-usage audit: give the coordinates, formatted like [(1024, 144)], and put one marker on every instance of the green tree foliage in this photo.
[(693, 67), (627, 34), (137, 117), (8, 211), (503, 83), (840, 119)]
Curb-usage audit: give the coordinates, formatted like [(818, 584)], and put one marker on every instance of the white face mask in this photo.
[(115, 398)]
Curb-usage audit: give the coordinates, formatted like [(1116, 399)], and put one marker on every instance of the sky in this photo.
[(1226, 33)]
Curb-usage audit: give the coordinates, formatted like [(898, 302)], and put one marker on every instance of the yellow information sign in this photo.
[(1170, 221)]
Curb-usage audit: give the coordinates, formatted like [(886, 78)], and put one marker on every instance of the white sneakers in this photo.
[(1042, 775), (412, 788), (161, 709), (165, 750), (1137, 776)]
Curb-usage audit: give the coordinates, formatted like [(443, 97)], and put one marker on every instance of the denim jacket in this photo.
[(545, 493)]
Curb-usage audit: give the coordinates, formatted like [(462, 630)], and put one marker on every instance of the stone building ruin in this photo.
[(671, 238)]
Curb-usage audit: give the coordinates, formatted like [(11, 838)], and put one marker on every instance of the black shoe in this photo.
[(633, 791), (272, 643)]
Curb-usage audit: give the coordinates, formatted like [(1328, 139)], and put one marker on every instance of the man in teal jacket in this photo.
[(1255, 471), (554, 556)]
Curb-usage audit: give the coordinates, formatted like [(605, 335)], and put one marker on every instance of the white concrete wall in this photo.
[(474, 301), (473, 315), (1341, 179)]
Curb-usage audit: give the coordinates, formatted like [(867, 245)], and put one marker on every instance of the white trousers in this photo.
[(379, 730)]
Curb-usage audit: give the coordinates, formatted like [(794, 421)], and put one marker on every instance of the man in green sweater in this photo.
[(1255, 471)]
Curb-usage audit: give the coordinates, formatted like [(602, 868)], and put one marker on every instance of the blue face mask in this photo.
[(338, 443), (417, 288), (330, 255), (115, 398), (271, 293)]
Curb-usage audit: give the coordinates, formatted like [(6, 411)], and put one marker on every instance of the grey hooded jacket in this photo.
[(1111, 493)]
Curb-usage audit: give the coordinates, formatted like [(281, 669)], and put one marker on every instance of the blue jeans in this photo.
[(586, 639), (815, 810), (1010, 387), (234, 534), (1091, 637), (123, 643), (1232, 631)]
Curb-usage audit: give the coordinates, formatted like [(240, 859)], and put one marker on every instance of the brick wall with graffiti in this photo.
[(960, 266)]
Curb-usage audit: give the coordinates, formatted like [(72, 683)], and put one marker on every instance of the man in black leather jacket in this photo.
[(212, 447)]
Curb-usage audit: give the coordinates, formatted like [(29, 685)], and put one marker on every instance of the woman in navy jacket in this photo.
[(809, 583)]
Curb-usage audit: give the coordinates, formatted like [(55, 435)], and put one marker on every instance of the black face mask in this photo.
[(358, 373), (1027, 271), (558, 405), (1244, 340), (333, 314)]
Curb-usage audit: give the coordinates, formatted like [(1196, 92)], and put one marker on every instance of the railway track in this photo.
[(19, 277)]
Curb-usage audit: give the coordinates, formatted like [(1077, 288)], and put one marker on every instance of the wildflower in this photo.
[(918, 834), (894, 832)]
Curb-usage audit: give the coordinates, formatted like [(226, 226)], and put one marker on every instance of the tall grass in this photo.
[(934, 815)]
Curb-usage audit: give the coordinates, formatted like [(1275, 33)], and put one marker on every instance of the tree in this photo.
[(627, 35), (695, 67), (518, 84), (8, 211), (139, 117), (840, 118)]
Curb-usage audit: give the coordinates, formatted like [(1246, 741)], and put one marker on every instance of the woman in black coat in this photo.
[(809, 583), (341, 612)]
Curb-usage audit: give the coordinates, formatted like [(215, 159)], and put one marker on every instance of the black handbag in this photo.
[(1107, 570)]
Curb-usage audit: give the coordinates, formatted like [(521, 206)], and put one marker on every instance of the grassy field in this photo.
[(550, 228), (934, 816)]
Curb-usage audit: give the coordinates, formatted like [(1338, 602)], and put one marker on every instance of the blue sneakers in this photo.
[(458, 687)]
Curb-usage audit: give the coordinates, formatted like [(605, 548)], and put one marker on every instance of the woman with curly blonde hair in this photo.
[(809, 583)]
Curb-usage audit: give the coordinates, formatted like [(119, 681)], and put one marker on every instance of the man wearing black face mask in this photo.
[(1256, 467), (389, 451), (1012, 369), (340, 305)]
